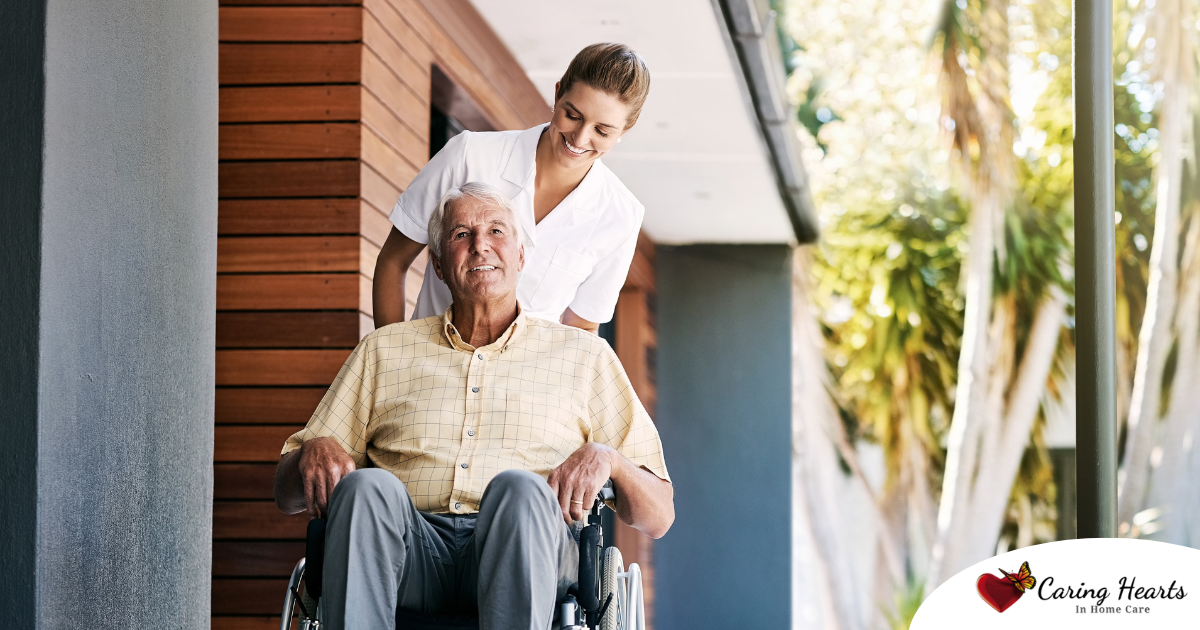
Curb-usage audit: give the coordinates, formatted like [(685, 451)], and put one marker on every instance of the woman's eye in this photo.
[(601, 133), (571, 116)]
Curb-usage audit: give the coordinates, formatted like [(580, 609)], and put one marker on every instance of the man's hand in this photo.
[(577, 481), (310, 475)]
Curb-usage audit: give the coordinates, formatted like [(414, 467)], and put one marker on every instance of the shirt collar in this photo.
[(521, 168), (516, 331)]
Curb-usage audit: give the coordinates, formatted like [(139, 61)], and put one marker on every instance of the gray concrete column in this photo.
[(108, 173), (725, 416)]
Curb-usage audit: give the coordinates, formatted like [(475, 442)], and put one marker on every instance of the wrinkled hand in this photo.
[(577, 481), (322, 465)]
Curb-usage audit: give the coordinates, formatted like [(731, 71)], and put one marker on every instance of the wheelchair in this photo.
[(607, 596)]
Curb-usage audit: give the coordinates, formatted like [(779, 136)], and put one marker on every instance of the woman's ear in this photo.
[(557, 96)]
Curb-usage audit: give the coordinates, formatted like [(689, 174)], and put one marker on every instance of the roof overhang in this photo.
[(713, 156)]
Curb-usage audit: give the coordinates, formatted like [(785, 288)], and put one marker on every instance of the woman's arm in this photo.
[(571, 319), (391, 268)]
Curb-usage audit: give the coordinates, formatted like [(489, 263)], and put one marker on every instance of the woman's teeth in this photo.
[(573, 149)]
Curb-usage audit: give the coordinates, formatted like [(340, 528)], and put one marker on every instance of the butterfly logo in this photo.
[(1002, 592)]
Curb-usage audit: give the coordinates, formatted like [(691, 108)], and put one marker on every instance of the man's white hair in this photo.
[(482, 192)]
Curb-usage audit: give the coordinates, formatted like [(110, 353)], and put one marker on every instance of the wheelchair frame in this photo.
[(580, 609)]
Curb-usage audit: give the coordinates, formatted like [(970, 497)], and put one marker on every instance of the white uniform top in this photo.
[(577, 257)]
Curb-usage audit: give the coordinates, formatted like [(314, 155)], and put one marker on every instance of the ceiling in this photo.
[(696, 158)]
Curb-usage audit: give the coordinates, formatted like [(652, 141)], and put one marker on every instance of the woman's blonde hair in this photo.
[(612, 68)]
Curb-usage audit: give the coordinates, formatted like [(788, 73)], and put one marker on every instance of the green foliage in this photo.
[(906, 603), (888, 286)]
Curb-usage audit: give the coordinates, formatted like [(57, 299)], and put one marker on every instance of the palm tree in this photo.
[(1000, 381), (1151, 480)]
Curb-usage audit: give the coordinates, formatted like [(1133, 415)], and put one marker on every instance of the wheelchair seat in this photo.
[(606, 596)]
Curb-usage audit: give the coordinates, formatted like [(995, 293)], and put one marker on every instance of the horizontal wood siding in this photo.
[(324, 120), (290, 282)]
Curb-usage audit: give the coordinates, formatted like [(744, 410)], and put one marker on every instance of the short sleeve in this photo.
[(596, 298), (345, 410), (618, 418), (444, 171)]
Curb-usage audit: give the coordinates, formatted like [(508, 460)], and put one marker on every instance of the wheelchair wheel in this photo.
[(610, 583)]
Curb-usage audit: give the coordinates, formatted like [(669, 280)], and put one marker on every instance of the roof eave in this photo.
[(761, 62)]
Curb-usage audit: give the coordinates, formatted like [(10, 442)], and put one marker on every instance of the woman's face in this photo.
[(586, 124)]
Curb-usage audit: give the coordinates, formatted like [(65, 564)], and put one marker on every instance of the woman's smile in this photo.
[(571, 149)]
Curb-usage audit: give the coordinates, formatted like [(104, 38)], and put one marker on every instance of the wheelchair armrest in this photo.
[(314, 557)]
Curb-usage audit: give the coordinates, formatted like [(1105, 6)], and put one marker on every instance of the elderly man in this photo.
[(452, 454)]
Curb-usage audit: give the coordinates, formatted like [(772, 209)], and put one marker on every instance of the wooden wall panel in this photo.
[(374, 224), (274, 64), (238, 254), (262, 597), (256, 559), (383, 121), (377, 190), (279, 367), (287, 329), (296, 141), (248, 623), (391, 52), (462, 24), (401, 30), (267, 405), (246, 217), (289, 103), (389, 89), (313, 178), (256, 520), (386, 160), (244, 481), (291, 291), (290, 24), (241, 444)]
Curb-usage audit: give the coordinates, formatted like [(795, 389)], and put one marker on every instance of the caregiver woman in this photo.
[(582, 223)]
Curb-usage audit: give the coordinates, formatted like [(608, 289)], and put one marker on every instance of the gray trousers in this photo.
[(510, 562)]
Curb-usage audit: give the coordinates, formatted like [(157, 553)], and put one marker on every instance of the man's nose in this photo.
[(481, 243)]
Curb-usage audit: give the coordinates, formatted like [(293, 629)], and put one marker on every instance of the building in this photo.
[(186, 176)]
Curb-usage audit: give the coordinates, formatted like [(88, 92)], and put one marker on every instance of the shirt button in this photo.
[(474, 390), (469, 432), (457, 505), (480, 355), (464, 464)]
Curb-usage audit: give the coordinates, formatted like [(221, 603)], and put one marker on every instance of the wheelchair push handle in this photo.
[(607, 493)]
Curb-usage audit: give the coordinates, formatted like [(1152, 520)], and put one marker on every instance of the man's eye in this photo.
[(497, 231), (460, 234)]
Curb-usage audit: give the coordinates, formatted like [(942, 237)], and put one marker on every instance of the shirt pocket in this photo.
[(566, 272), (542, 429)]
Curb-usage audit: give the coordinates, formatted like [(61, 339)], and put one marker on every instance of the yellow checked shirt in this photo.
[(416, 400)]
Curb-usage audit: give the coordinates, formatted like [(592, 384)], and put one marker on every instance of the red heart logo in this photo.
[(999, 593)]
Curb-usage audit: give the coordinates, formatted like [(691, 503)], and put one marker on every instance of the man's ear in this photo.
[(520, 257), (437, 266)]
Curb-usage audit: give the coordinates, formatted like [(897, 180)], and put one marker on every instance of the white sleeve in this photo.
[(416, 204), (596, 298)]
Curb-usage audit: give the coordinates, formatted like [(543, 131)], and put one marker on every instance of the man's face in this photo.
[(481, 255)]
